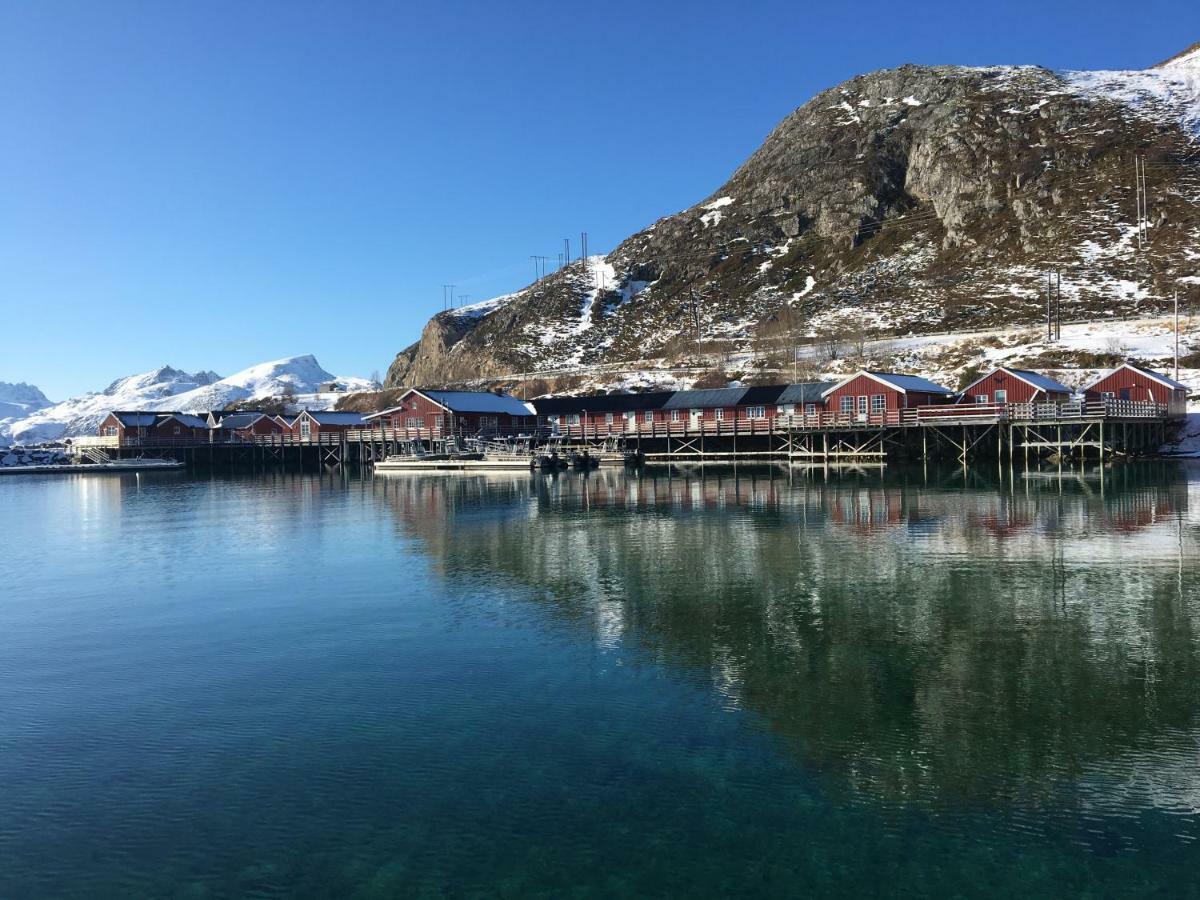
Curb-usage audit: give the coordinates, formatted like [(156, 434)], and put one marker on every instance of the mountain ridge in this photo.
[(168, 388), (902, 201)]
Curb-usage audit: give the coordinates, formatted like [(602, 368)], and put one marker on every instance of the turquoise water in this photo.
[(748, 683)]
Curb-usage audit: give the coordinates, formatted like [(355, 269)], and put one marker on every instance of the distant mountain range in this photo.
[(913, 200), (27, 417)]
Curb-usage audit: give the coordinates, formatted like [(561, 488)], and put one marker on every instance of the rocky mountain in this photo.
[(166, 388), (906, 201)]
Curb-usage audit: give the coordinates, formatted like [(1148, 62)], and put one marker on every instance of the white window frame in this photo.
[(846, 404), (810, 409), (608, 418), (981, 398), (674, 415), (864, 404), (1000, 395), (879, 403), (756, 412), (648, 417), (305, 430), (719, 414)]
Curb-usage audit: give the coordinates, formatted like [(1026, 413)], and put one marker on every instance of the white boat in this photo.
[(462, 463)]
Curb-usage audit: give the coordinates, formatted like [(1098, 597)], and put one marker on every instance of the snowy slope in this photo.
[(1168, 92), (18, 401), (166, 388)]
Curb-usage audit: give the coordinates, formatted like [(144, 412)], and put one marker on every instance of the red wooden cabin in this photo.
[(876, 396), (310, 425), (1133, 383), (434, 413), (1007, 385), (245, 426), (135, 427)]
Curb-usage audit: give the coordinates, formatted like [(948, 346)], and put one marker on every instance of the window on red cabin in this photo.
[(847, 404), (981, 398), (878, 403)]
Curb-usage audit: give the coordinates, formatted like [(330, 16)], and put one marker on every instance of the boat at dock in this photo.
[(463, 462)]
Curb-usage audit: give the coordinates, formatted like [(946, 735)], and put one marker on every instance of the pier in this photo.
[(962, 433)]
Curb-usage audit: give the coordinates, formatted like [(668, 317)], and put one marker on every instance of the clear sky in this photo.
[(215, 184)]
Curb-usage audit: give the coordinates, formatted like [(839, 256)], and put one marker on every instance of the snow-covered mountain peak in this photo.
[(20, 392), (168, 388)]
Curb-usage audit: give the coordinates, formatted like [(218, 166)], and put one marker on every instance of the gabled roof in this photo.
[(135, 419), (220, 415), (804, 393), (1149, 373), (239, 420), (705, 399), (902, 383), (185, 419), (600, 403), (324, 417), (1034, 379), (479, 402), (762, 395), (466, 402)]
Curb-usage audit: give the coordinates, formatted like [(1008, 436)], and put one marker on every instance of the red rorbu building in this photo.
[(244, 426), (871, 396), (1133, 383), (435, 413), (309, 426), (146, 427), (1007, 385)]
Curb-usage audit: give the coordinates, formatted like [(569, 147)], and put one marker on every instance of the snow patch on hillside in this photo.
[(483, 307), (1169, 91)]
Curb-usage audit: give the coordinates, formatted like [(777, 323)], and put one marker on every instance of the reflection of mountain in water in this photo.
[(921, 640)]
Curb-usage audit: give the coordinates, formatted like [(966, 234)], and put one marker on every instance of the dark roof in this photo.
[(323, 417), (762, 395), (220, 415), (186, 419), (1038, 380), (239, 420), (804, 393), (1159, 376), (136, 419), (479, 402), (902, 383), (705, 399), (602, 403)]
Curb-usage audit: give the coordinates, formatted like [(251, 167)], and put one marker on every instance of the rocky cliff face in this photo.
[(909, 200)]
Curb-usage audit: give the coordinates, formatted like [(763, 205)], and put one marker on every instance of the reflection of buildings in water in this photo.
[(919, 639)]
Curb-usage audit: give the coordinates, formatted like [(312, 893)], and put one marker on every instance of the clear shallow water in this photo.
[(747, 684)]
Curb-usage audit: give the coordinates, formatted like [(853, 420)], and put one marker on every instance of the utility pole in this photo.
[(696, 316), (567, 248), (1057, 305), (583, 246), (1049, 303), (463, 298), (1176, 334), (447, 296)]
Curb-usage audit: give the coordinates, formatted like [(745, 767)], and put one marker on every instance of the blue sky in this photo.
[(217, 184)]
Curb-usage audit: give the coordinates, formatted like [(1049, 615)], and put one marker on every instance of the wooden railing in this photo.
[(686, 425)]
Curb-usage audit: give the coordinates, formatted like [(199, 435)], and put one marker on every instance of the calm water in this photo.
[(573, 686)]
